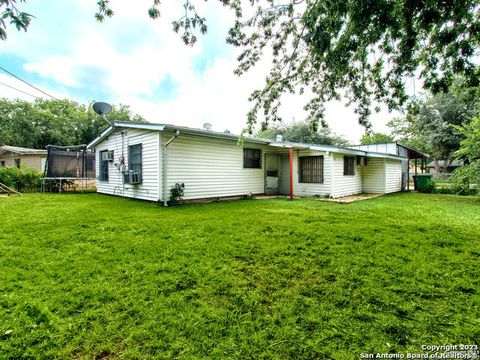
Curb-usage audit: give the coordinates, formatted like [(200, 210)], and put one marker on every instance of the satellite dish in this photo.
[(102, 108)]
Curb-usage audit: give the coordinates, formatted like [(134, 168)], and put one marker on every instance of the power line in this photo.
[(14, 88), (16, 77)]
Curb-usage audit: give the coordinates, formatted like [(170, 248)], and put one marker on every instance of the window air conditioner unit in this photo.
[(132, 177), (362, 161), (107, 156)]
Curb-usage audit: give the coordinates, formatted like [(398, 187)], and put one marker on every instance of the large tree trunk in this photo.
[(437, 169), (446, 165)]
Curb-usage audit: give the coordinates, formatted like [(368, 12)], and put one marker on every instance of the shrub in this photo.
[(462, 179), (21, 179), (176, 193), (429, 187)]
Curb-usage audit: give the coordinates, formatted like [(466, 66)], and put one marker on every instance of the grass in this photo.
[(97, 277)]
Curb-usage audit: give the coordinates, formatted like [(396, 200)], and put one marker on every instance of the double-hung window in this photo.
[(349, 165), (103, 166), (252, 158), (135, 159)]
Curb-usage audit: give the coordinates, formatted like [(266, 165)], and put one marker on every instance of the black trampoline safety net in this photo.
[(72, 162)]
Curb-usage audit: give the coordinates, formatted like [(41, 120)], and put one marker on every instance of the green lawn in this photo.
[(92, 276)]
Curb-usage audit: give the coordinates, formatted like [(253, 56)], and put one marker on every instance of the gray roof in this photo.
[(221, 135), (396, 143), (441, 163), (21, 150)]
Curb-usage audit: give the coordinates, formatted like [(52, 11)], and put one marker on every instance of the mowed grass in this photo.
[(98, 277)]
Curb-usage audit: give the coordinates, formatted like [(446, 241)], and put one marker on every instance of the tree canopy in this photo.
[(362, 50), (302, 132), (469, 151), (433, 126), (376, 138), (53, 122)]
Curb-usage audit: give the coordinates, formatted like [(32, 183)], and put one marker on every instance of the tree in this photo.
[(469, 152), (363, 50), (304, 133), (52, 122), (376, 138), (433, 126)]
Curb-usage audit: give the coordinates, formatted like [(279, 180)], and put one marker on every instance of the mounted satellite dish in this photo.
[(102, 108)]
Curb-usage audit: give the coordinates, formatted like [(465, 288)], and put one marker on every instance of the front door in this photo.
[(284, 175)]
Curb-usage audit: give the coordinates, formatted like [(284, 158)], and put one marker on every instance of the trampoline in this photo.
[(67, 164)]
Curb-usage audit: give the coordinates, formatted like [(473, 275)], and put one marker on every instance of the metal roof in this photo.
[(221, 135), (441, 163), (414, 153), (21, 150), (169, 127)]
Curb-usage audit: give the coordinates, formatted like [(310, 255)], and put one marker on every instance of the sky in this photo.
[(134, 60)]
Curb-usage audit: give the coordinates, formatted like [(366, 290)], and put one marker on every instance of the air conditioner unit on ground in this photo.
[(107, 156), (132, 177)]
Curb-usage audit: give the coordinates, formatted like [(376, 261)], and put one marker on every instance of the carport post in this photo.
[(291, 174), (408, 173)]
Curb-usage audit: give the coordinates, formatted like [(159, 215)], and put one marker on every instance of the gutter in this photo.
[(165, 163)]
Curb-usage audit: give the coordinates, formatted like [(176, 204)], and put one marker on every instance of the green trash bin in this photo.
[(421, 180)]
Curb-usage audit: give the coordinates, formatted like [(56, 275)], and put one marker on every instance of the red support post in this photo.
[(291, 174)]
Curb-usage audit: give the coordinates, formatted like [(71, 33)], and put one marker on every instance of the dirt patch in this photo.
[(350, 199)]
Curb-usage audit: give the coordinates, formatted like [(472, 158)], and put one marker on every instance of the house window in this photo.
[(103, 166), (252, 158), (17, 163), (2, 163), (349, 165), (311, 169), (135, 159)]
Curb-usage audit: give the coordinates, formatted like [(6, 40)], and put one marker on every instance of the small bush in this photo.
[(21, 179), (176, 193), (428, 188)]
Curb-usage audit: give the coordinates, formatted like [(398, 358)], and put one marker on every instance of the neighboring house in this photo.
[(20, 156), (145, 161), (410, 163), (452, 166)]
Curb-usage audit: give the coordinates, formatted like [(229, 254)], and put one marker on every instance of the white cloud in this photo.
[(132, 55)]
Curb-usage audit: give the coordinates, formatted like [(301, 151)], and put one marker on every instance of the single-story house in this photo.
[(20, 156), (145, 161), (413, 159), (451, 167)]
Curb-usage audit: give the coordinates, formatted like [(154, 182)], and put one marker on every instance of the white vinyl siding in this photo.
[(382, 176), (374, 176), (393, 179), (311, 189), (212, 168), (149, 189), (344, 185)]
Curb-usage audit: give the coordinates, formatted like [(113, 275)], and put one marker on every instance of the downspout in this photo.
[(165, 163)]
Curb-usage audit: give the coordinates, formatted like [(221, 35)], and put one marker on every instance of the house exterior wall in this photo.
[(34, 161), (8, 158), (344, 185), (212, 168), (311, 189), (393, 176), (149, 189), (382, 176), (374, 176)]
